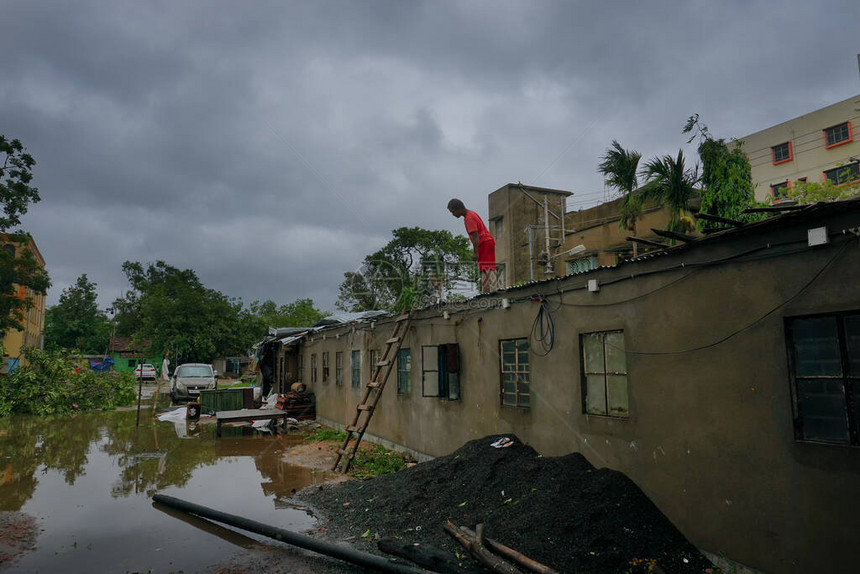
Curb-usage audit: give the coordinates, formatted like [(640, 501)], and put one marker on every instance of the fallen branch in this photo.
[(511, 554), (476, 549)]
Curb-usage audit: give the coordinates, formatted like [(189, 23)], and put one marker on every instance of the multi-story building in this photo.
[(31, 333), (815, 147)]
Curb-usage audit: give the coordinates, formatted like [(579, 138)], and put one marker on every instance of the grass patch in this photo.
[(326, 434), (377, 460)]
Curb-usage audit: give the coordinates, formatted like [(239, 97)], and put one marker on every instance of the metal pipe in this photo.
[(376, 563)]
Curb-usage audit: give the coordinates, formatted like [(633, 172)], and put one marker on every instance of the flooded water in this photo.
[(89, 479)]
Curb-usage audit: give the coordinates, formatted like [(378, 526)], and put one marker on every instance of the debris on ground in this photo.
[(559, 511), (18, 533)]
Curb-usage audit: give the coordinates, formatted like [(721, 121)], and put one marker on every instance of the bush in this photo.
[(49, 384)]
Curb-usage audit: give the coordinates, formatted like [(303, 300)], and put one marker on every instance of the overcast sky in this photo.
[(270, 146)]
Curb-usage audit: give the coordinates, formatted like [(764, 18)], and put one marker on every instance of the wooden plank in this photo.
[(392, 340), (646, 242), (365, 407), (717, 219), (674, 235)]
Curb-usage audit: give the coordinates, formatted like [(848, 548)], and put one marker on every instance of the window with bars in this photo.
[(779, 190), (838, 135), (404, 371), (824, 355), (313, 367), (843, 174), (781, 153), (514, 355), (338, 369), (356, 369), (604, 374), (325, 368)]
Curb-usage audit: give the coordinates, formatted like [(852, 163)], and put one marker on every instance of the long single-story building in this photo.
[(721, 375)]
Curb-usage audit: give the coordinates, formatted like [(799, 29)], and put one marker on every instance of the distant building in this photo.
[(528, 249), (32, 331), (818, 146)]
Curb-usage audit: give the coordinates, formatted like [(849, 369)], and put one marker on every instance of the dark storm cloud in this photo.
[(269, 146)]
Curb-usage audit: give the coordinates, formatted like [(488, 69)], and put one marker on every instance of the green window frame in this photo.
[(404, 371), (356, 369), (338, 368)]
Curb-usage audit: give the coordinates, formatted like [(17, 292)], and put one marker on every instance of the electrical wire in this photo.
[(543, 328), (756, 321)]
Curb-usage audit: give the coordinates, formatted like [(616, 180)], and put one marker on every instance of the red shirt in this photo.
[(474, 224)]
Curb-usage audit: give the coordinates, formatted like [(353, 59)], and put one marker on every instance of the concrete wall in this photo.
[(709, 435), (810, 156), (512, 208)]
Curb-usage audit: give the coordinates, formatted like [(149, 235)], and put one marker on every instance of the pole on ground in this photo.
[(139, 390), (371, 561)]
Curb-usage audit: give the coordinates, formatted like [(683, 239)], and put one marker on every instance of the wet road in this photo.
[(88, 479)]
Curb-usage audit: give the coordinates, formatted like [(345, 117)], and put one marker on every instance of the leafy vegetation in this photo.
[(806, 192), (51, 383), (173, 311), (375, 461), (299, 313), (415, 263), (671, 184), (18, 265), (76, 321), (325, 435), (727, 187)]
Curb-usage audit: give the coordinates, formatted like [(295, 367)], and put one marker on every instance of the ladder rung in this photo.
[(342, 452), (374, 384), (383, 363), (402, 318), (392, 340), (365, 407), (351, 429)]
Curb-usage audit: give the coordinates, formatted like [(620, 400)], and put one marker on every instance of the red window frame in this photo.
[(843, 142), (773, 154), (787, 187)]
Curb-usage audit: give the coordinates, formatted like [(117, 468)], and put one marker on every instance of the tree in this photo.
[(671, 184), (18, 265), (415, 263), (727, 187), (174, 311), (16, 193), (76, 321), (620, 169), (299, 313)]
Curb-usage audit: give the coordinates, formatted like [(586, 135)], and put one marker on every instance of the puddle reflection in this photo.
[(89, 479)]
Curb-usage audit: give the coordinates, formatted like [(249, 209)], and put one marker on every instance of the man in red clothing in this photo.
[(483, 244)]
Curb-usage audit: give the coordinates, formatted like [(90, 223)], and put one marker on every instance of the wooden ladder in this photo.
[(372, 392)]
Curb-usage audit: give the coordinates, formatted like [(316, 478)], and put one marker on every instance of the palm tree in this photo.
[(620, 169), (672, 185)]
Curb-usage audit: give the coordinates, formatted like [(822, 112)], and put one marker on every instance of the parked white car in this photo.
[(148, 372), (189, 379)]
